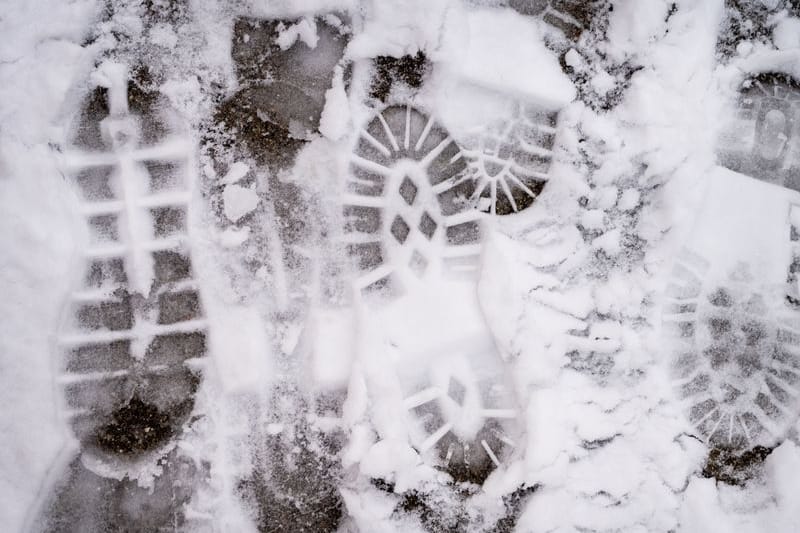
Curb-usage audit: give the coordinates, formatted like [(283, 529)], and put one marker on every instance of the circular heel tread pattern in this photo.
[(407, 205), (736, 361), (509, 163), (462, 416)]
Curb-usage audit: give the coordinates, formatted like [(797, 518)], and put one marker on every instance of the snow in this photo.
[(786, 34), (36, 262), (565, 312)]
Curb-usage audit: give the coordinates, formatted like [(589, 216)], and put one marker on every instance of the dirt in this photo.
[(735, 467), (135, 428), (407, 70)]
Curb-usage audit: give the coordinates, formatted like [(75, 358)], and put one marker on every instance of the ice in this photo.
[(573, 58), (392, 461)]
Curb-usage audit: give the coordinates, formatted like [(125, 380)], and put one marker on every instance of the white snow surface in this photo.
[(504, 52), (608, 451)]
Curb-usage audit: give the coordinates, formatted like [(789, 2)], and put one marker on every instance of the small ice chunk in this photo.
[(361, 440), (163, 35), (235, 173), (573, 59), (274, 429), (505, 52), (392, 460), (305, 30), (238, 201)]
